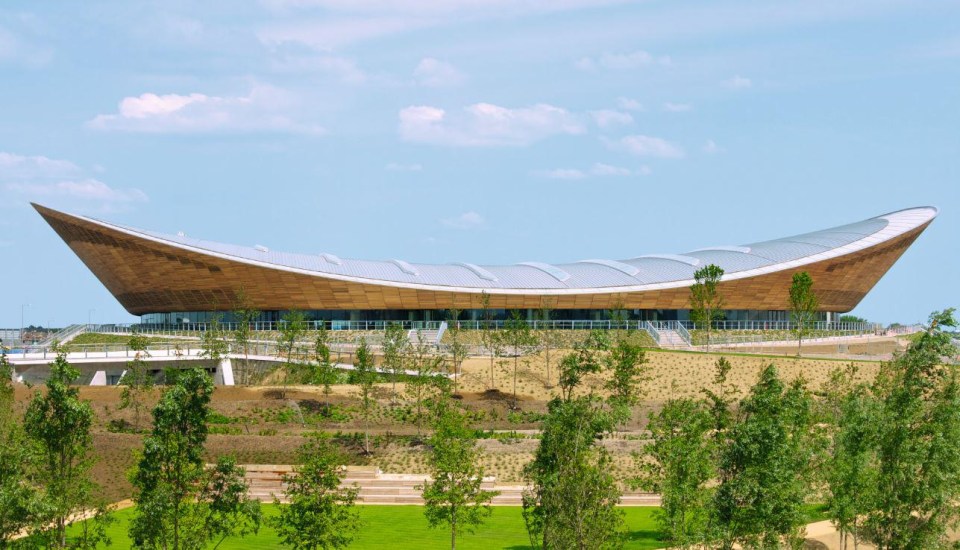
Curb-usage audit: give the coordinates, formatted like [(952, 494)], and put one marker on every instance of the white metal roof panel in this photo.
[(655, 270)]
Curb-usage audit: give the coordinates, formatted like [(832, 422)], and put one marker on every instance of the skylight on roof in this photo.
[(689, 260), (331, 259), (619, 266), (550, 270), (478, 271), (406, 268)]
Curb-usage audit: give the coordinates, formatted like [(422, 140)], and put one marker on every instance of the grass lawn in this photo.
[(404, 527)]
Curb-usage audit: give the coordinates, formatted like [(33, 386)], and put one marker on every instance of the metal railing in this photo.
[(652, 331), (683, 332)]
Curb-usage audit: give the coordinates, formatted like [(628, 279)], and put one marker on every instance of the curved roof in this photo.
[(645, 272)]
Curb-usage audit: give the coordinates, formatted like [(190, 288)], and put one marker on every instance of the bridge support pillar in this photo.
[(224, 374)]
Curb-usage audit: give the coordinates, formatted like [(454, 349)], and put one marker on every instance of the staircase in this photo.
[(63, 335), (376, 487), (672, 339), (430, 337)]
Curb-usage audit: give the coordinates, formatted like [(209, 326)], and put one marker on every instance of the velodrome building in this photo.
[(171, 278)]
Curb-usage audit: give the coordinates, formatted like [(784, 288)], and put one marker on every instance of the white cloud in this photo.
[(265, 108), (606, 118), (628, 104), (561, 174), (622, 61), (396, 167), (598, 170), (738, 83), (647, 146), (87, 189), (41, 178), (711, 147), (20, 166), (434, 73), (677, 107), (485, 124), (467, 220)]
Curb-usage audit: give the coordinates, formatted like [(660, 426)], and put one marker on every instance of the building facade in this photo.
[(172, 278)]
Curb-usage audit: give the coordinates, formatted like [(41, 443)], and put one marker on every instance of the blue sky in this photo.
[(489, 131)]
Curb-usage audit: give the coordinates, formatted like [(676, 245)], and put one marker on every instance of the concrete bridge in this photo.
[(105, 365)]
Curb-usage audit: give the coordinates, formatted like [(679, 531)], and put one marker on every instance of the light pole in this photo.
[(90, 314), (22, 307)]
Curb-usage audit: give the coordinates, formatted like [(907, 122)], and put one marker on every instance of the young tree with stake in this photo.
[(678, 464), (137, 382), (180, 504), (422, 384), (293, 326), (572, 498), (395, 344), (455, 494), (706, 303), (19, 494), (320, 512), (517, 336), (58, 423), (325, 373), (364, 376), (803, 306), (245, 316)]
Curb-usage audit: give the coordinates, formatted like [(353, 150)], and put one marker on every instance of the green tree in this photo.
[(421, 385), (491, 338), (706, 302), (918, 450), (395, 344), (720, 401), (19, 497), (455, 496), (179, 504), (626, 364), (137, 382), (458, 351), (679, 464), (292, 327), (768, 460), (518, 337), (245, 315), (851, 472), (320, 513), (364, 376), (582, 361), (325, 373), (619, 317), (547, 336), (572, 496), (58, 423), (803, 306), (213, 343)]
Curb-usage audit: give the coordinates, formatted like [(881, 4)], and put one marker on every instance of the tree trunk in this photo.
[(366, 431), (515, 366), (453, 533), (492, 385), (548, 364)]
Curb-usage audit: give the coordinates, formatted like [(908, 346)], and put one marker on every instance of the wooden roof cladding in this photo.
[(150, 276)]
